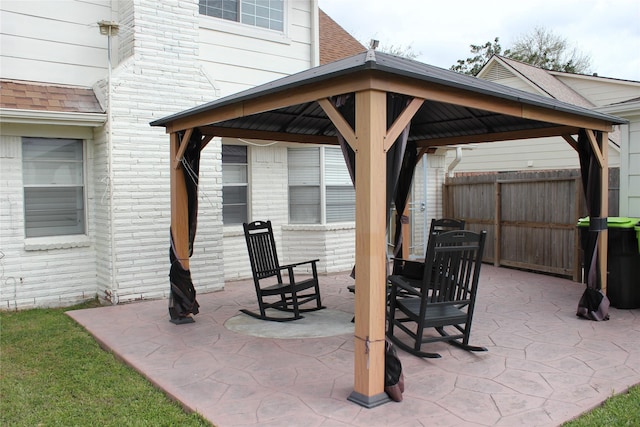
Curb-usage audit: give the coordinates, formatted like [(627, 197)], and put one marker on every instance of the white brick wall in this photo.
[(44, 271), (162, 77), (159, 63)]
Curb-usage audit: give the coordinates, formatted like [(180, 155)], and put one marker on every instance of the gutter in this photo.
[(43, 117)]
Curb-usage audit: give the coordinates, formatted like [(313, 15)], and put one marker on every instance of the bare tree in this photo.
[(541, 48), (399, 50), (544, 49)]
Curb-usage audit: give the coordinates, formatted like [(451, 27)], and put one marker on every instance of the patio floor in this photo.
[(544, 366)]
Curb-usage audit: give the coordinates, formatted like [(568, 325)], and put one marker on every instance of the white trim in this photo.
[(630, 108), (42, 117)]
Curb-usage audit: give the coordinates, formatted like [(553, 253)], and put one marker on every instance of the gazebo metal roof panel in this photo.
[(387, 65)]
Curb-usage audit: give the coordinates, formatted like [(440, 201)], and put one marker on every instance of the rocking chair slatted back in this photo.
[(262, 249), (444, 297)]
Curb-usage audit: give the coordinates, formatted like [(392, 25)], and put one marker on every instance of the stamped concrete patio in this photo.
[(544, 366)]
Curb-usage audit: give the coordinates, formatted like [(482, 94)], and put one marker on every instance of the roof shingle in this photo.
[(335, 42), (46, 97)]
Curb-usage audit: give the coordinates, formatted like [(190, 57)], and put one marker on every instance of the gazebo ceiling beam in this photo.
[(401, 122), (339, 122), (571, 141), (218, 131), (296, 117), (396, 84), (594, 145), (267, 135), (499, 136), (480, 101), (474, 117), (273, 101), (184, 142)]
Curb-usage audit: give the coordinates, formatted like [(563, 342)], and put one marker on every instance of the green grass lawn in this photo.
[(52, 372), (618, 411)]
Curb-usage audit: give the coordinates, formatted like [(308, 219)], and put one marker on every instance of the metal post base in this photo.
[(368, 401)]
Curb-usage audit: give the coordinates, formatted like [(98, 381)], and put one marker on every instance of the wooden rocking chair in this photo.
[(443, 298), (414, 268), (267, 277)]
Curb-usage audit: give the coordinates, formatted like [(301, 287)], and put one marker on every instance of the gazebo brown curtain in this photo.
[(593, 304), (182, 296), (401, 158)]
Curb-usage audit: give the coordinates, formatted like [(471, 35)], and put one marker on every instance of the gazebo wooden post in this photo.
[(370, 296), (179, 204)]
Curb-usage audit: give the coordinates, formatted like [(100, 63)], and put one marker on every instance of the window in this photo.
[(53, 180), (320, 188), (259, 13), (234, 184)]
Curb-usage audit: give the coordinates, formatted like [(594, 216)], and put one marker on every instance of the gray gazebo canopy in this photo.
[(350, 98), (452, 114)]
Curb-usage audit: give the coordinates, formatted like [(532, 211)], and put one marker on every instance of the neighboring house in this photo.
[(613, 96), (629, 155), (85, 204)]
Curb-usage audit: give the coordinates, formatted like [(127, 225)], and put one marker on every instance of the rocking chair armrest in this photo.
[(290, 268), (402, 283), (296, 264)]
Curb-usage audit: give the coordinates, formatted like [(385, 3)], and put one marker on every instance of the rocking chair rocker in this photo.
[(267, 277)]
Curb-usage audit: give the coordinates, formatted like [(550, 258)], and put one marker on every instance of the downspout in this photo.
[(110, 28), (455, 162)]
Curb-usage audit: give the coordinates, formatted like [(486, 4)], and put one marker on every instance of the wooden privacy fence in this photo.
[(530, 217)]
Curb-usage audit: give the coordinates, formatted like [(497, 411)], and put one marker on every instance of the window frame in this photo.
[(83, 199), (245, 184), (240, 14), (324, 183)]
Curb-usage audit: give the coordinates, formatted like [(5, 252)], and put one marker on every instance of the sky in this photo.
[(440, 31)]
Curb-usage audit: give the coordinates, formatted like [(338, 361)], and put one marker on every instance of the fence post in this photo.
[(578, 206), (497, 224)]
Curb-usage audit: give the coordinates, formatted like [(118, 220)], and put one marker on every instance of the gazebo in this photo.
[(384, 111)]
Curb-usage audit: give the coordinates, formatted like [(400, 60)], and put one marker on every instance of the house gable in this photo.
[(498, 71)]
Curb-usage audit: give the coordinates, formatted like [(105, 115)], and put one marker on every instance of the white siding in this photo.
[(633, 192), (240, 56), (43, 41), (630, 166), (602, 91), (531, 154)]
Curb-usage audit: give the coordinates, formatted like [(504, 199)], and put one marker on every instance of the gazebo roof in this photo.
[(465, 113)]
